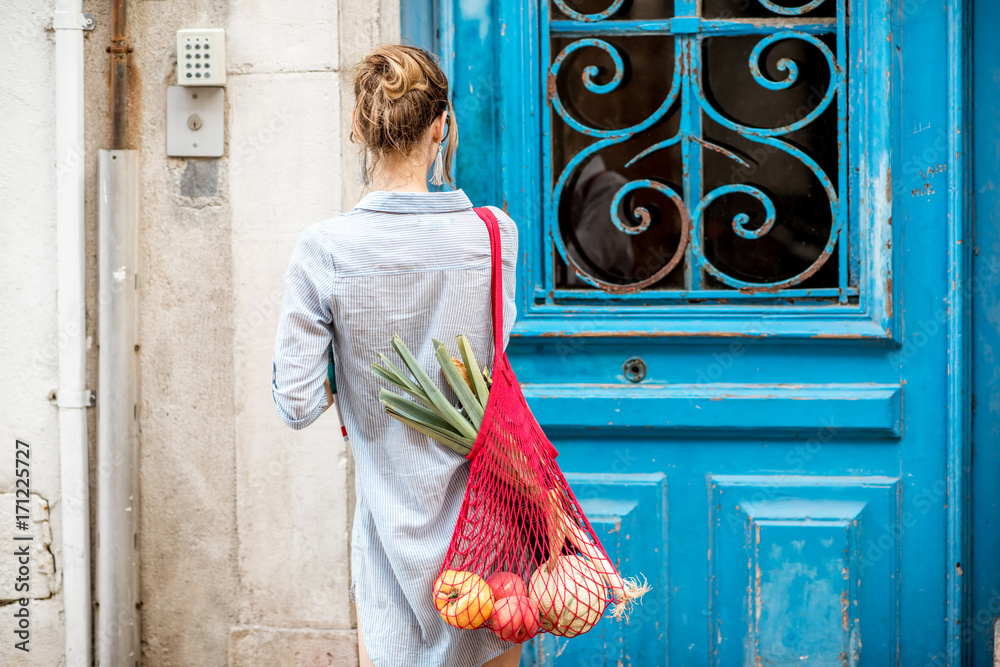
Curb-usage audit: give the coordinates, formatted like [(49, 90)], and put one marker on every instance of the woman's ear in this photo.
[(355, 136), (440, 123)]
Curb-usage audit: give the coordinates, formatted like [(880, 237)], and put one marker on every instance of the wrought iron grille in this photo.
[(696, 150)]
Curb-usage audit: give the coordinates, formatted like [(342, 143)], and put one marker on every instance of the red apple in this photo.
[(463, 599), (515, 619), (506, 584)]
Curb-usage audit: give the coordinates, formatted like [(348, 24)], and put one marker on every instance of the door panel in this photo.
[(860, 409), (629, 514), (799, 569), (752, 303)]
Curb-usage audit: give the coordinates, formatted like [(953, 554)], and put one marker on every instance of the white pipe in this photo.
[(72, 396)]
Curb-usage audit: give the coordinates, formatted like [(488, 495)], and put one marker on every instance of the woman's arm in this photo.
[(329, 394), (299, 382)]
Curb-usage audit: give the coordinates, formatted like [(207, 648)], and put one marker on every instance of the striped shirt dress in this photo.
[(416, 264)]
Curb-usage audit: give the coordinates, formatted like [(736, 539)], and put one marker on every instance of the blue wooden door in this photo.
[(743, 307), (984, 287)]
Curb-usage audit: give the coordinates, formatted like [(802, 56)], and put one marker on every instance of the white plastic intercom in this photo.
[(201, 57), (196, 106)]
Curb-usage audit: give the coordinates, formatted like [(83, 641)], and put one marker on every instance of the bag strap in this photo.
[(496, 254)]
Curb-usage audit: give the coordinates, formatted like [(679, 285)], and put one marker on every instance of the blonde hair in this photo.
[(399, 91)]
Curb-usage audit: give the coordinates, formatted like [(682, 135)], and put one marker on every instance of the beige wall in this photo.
[(244, 524), (29, 335)]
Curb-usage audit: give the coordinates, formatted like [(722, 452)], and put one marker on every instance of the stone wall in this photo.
[(244, 524)]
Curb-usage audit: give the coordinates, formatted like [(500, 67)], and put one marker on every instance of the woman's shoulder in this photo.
[(326, 236), (508, 236), (507, 225), (338, 229)]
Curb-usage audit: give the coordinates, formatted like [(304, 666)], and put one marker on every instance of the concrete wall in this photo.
[(290, 163), (189, 581), (244, 523), (29, 337)]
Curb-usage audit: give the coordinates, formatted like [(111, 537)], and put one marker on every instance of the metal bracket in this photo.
[(73, 21), (85, 399)]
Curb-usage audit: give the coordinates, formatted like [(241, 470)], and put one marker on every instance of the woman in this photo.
[(412, 262)]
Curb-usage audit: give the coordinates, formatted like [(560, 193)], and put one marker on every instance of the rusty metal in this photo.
[(634, 369), (580, 16), (119, 50)]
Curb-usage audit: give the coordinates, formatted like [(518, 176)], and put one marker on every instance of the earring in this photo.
[(437, 173), (363, 171)]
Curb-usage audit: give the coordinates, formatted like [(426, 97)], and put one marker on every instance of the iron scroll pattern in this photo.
[(590, 33)]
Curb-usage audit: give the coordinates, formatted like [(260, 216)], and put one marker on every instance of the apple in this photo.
[(463, 599), (506, 584), (515, 619)]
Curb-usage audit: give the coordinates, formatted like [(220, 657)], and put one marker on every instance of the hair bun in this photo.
[(401, 73)]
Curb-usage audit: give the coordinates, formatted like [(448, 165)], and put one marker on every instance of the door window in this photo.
[(702, 152)]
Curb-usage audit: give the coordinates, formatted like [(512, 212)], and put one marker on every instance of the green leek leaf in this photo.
[(472, 369), (444, 439), (469, 401), (415, 411), (448, 411), (405, 384)]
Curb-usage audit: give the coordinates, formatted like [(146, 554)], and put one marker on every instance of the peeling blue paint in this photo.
[(857, 532)]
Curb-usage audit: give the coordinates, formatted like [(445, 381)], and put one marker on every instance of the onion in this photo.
[(624, 592), (570, 594)]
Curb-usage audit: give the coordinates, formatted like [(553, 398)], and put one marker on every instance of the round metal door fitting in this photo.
[(634, 369)]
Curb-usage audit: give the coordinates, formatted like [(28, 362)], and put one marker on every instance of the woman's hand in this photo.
[(329, 394)]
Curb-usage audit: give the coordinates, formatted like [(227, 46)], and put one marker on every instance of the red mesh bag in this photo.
[(523, 558)]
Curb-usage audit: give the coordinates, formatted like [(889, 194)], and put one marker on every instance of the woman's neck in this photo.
[(407, 178)]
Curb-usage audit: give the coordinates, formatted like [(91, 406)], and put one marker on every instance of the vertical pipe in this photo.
[(117, 429), (119, 50), (72, 397), (117, 443)]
